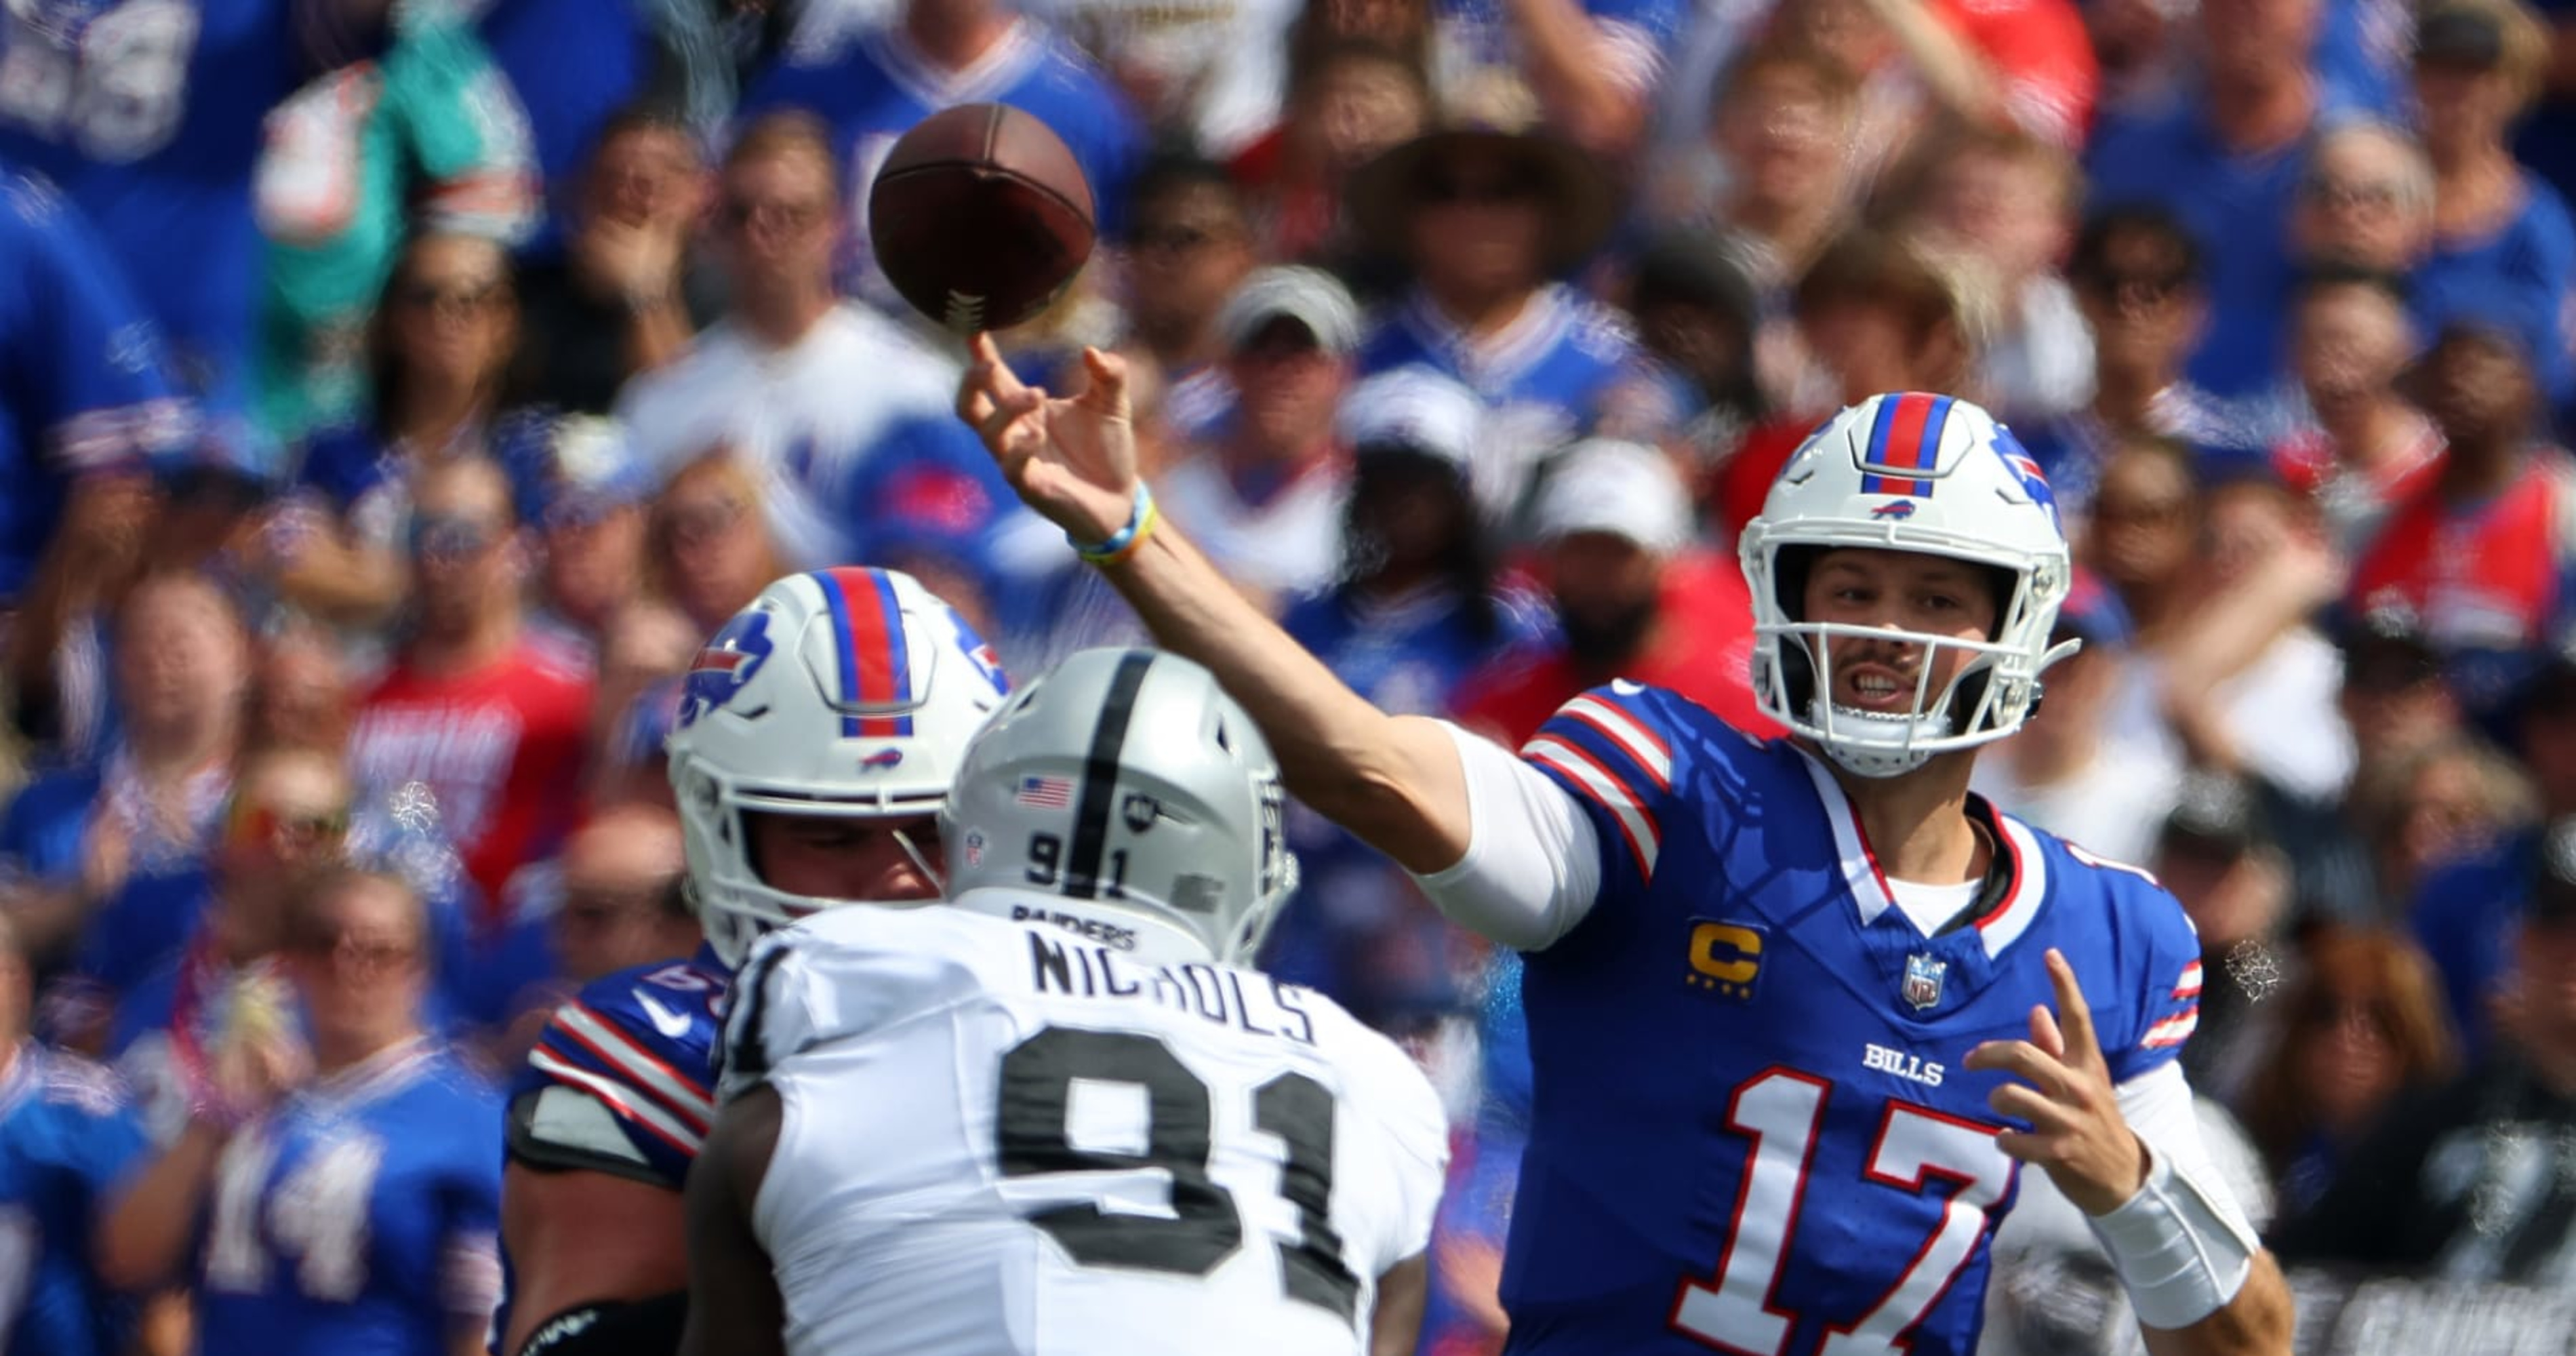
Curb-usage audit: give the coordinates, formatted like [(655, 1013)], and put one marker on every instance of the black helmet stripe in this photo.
[(1099, 795)]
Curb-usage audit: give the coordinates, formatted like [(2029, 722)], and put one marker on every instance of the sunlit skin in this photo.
[(1895, 590), (831, 857)]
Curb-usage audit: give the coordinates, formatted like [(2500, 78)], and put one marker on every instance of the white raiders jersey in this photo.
[(1012, 1137)]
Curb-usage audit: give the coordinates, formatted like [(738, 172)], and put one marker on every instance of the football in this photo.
[(980, 217)]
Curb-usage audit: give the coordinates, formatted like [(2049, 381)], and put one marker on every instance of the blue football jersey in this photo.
[(82, 370), (641, 1044), (871, 87), (362, 1214), (1546, 378), (66, 1136), (150, 114), (1750, 1127)]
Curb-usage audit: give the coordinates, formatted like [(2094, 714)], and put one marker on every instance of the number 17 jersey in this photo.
[(1012, 1138), (1751, 1130)]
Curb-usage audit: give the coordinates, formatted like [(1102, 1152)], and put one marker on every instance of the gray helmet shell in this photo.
[(1125, 788)]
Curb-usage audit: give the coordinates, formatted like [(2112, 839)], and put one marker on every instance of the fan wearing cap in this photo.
[(2474, 1182), (1484, 220), (2503, 243), (579, 482), (1634, 599), (1416, 610), (1264, 492)]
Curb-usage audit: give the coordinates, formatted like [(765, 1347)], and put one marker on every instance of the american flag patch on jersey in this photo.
[(1045, 793)]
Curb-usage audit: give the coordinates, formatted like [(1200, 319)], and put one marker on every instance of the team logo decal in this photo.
[(1894, 511), (1922, 987), (726, 666)]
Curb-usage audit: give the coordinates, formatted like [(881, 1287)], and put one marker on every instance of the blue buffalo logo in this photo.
[(1897, 511), (882, 758), (726, 666)]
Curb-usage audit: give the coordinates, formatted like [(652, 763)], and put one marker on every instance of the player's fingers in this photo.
[(2024, 1145), (2022, 1102), (2073, 1014), (1108, 389), (2022, 1060), (998, 426), (2044, 1032)]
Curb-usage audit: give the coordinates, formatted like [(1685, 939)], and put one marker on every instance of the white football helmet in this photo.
[(1907, 471), (844, 692), (1125, 797)]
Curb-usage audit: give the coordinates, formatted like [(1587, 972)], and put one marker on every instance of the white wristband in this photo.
[(2181, 1253)]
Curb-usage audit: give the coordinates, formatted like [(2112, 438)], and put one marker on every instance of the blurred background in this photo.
[(396, 392)]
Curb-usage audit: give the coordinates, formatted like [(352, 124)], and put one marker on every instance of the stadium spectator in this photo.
[(2007, 202), (68, 1136), (771, 383), (1189, 245), (439, 346), (708, 550), (1697, 318), (2455, 798), (153, 120), (2469, 1182), (2070, 771), (301, 691), (1485, 218), (1348, 102), (870, 83), (643, 666), (2366, 202), (2216, 854), (2368, 448), (2504, 249), (114, 855), (2466, 912), (94, 402), (1265, 491), (573, 66), (621, 904), (1874, 313), (624, 294), (2226, 165), (2140, 280), (1782, 122), (2480, 553), (1633, 597), (585, 490), (2363, 1029), (424, 136), (487, 718), (1586, 69), (1418, 608), (365, 1132), (288, 815)]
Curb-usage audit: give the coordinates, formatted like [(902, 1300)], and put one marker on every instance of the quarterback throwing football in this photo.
[(1798, 1009)]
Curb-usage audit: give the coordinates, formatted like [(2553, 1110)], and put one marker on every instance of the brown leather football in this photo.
[(980, 217)]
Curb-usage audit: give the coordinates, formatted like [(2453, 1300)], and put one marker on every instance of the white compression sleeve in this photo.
[(2181, 1245), (1533, 863)]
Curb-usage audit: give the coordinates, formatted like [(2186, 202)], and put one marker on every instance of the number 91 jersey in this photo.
[(1751, 1130), (1008, 1137)]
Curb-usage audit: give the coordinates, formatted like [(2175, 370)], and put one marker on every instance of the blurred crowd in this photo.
[(398, 392)]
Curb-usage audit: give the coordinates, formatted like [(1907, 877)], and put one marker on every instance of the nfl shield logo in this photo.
[(1923, 981)]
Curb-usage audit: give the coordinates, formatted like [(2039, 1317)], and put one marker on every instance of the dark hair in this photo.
[(2406, 995), (642, 115), (385, 367), (1791, 56), (1327, 54), (1467, 562), (2091, 258), (1874, 268), (1179, 169), (786, 131), (2318, 279)]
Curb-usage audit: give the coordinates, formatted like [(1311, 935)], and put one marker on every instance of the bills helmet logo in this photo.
[(981, 655), (2034, 482), (726, 666), (1894, 511), (882, 758)]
